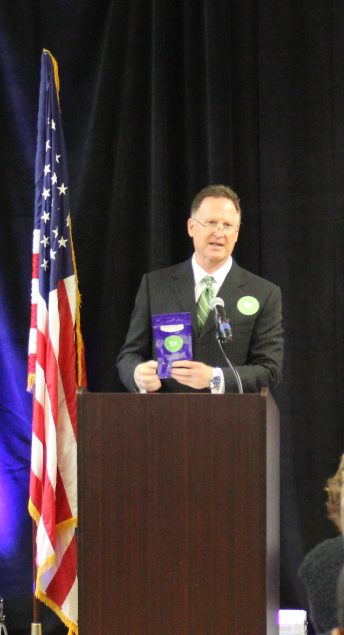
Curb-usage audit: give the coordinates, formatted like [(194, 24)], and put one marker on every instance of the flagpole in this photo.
[(36, 626)]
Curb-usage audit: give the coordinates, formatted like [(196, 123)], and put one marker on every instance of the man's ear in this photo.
[(191, 225)]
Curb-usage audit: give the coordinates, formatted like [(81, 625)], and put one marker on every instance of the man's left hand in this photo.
[(194, 374)]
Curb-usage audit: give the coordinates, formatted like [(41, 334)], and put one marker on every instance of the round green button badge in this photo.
[(248, 305), (173, 343)]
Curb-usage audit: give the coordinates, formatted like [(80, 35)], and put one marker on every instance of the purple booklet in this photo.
[(173, 341)]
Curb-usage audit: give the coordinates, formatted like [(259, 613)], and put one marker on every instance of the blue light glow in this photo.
[(15, 432)]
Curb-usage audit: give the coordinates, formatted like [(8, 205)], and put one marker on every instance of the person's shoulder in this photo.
[(329, 545), (248, 277), (327, 551), (170, 272)]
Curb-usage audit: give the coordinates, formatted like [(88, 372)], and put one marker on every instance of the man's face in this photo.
[(213, 247)]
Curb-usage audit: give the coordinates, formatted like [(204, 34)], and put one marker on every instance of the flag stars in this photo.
[(56, 232), (68, 220), (46, 216), (47, 145), (52, 254), (62, 189), (53, 124), (47, 169), (45, 264), (62, 242), (54, 178), (46, 193), (45, 241), (57, 157)]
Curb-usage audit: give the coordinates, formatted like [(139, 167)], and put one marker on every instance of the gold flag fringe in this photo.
[(56, 74), (79, 343), (61, 527), (73, 628), (45, 567), (66, 524), (31, 380), (33, 511)]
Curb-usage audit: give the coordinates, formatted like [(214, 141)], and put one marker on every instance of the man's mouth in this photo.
[(216, 244)]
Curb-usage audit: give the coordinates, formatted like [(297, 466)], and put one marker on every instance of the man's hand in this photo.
[(193, 374), (146, 376)]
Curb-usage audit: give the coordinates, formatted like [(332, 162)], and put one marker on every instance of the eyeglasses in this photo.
[(215, 227)]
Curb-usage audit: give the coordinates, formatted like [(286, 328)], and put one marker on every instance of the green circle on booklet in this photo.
[(173, 343)]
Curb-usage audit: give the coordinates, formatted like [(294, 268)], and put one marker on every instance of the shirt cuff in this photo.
[(138, 389), (221, 388)]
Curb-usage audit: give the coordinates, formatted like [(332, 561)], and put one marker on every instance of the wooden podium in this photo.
[(178, 514)]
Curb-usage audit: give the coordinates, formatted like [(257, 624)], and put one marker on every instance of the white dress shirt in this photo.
[(218, 276)]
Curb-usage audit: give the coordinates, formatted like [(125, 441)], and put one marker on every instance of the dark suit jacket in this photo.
[(257, 346)]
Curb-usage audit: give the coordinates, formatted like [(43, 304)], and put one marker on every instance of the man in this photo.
[(253, 306)]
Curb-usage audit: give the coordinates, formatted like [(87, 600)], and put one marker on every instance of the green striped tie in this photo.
[(203, 306)]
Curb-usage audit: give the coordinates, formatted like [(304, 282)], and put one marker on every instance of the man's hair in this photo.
[(218, 191), (335, 493)]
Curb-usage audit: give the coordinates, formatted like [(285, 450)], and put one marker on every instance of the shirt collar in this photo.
[(218, 275)]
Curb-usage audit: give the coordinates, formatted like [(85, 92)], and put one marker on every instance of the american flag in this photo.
[(52, 364)]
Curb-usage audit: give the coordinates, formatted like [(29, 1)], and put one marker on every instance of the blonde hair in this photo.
[(335, 493)]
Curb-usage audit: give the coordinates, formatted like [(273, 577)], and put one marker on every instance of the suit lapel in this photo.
[(232, 287), (182, 284)]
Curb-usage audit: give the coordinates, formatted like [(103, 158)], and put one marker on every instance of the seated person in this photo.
[(321, 567)]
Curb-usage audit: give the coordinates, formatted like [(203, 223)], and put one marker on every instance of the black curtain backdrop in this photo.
[(158, 100)]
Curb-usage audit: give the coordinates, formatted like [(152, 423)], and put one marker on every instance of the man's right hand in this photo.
[(146, 377)]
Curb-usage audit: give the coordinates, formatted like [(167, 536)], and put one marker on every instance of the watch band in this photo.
[(215, 380)]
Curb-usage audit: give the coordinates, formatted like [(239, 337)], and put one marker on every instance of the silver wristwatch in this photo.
[(215, 380)]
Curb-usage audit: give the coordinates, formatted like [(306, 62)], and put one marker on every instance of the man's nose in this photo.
[(219, 228)]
